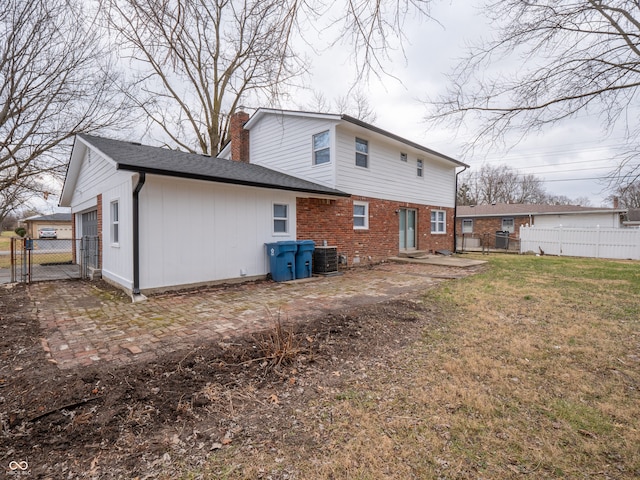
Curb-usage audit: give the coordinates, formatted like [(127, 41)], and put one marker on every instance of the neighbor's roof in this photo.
[(346, 118), (633, 215), (139, 158), (54, 217), (518, 209)]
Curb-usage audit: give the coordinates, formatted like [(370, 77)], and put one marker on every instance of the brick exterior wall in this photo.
[(332, 220), (239, 137), (491, 225)]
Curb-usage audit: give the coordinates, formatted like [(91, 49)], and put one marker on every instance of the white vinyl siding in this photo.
[(228, 227), (285, 143), (389, 179)]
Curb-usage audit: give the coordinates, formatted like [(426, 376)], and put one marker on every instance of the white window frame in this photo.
[(420, 168), (316, 150), (511, 228), (362, 141), (364, 216), (275, 218), (467, 229), (403, 157), (114, 214), (439, 221)]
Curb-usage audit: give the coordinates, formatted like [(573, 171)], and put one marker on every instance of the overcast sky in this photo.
[(568, 157)]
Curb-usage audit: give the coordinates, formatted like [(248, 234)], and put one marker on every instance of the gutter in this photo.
[(136, 295), (455, 212)]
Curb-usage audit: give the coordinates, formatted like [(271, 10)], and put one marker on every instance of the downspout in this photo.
[(136, 237), (455, 213)]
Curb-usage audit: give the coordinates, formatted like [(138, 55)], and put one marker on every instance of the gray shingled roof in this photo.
[(502, 209), (54, 217), (162, 161)]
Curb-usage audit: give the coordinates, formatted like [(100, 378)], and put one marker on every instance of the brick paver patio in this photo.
[(84, 325)]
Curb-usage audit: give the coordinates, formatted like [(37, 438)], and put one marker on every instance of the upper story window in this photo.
[(438, 221), (403, 157), (362, 153), (360, 215), (115, 223), (420, 167), (508, 225), (467, 225), (321, 148), (280, 218)]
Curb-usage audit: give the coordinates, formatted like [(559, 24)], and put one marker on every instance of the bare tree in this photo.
[(198, 60), (573, 57), (628, 195), (52, 86), (355, 105), (499, 184)]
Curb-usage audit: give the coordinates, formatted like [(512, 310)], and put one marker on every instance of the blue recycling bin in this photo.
[(304, 257), (282, 260)]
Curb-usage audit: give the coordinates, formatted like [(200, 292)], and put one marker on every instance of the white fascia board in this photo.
[(293, 113)]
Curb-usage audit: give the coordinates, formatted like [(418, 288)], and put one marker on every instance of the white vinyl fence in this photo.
[(593, 242)]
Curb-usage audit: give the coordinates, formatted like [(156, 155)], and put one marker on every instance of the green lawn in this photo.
[(533, 371)]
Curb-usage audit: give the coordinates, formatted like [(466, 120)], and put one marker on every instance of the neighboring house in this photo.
[(61, 222), (168, 219), (402, 193), (633, 218), (488, 219)]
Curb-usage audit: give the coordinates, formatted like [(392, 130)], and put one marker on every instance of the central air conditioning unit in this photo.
[(325, 260)]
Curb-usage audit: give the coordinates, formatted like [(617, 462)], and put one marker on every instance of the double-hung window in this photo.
[(362, 153), (360, 215), (508, 225), (115, 223), (438, 221), (321, 148), (419, 168), (280, 218), (467, 225)]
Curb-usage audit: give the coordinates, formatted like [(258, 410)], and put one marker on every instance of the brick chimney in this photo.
[(616, 202), (239, 137)]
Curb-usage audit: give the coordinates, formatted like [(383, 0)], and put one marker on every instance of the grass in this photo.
[(38, 258), (5, 240), (533, 371)]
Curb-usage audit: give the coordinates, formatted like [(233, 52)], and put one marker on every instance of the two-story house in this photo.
[(167, 219), (402, 193)]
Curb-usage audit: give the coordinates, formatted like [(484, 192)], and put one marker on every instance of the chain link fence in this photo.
[(52, 259)]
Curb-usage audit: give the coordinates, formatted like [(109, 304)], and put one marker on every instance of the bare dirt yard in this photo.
[(528, 369)]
